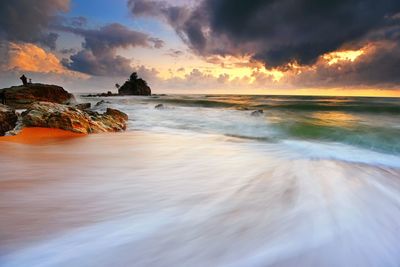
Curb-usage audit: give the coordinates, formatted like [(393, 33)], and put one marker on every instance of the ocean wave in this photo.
[(368, 123)]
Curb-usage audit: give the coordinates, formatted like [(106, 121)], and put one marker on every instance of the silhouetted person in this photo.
[(30, 81), (24, 79), (3, 97)]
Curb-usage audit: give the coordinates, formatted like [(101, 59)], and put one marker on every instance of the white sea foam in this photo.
[(159, 199), (191, 185)]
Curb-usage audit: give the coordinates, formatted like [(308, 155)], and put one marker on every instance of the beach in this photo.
[(202, 182)]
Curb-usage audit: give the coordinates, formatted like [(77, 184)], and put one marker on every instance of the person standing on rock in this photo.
[(3, 97), (24, 79)]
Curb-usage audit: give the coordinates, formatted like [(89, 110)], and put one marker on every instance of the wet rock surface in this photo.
[(257, 113), (21, 97), (52, 115), (83, 106), (8, 119), (159, 106)]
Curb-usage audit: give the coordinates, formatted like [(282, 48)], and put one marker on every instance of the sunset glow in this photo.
[(29, 57), (95, 54), (240, 133), (340, 56)]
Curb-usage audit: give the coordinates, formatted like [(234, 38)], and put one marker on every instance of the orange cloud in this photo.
[(339, 56), (31, 58)]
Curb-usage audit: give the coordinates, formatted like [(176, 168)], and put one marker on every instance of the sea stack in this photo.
[(134, 86)]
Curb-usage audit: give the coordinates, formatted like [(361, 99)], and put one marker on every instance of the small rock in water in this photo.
[(83, 106), (101, 103), (159, 106), (257, 113)]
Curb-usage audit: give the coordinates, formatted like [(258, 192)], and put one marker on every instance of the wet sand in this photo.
[(40, 136), (158, 199)]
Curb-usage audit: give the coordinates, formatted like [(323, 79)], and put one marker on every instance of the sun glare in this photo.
[(340, 56)]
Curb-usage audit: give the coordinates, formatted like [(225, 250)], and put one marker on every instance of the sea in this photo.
[(210, 180)]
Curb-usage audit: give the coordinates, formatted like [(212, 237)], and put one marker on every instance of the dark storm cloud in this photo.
[(109, 64), (176, 16), (302, 30), (98, 56), (29, 21), (379, 68), (278, 32), (112, 36)]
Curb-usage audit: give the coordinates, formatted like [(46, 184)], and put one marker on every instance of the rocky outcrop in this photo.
[(138, 87), (257, 113), (116, 114), (8, 119), (83, 106), (134, 86), (159, 106), (109, 93), (101, 103), (20, 97), (52, 115)]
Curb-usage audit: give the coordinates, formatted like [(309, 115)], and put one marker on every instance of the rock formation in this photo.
[(53, 115), (83, 106), (159, 106), (20, 97), (8, 119), (134, 86), (257, 113)]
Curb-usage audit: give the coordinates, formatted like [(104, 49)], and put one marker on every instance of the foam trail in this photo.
[(145, 199), (313, 181)]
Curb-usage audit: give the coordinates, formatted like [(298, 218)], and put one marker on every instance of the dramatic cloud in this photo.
[(31, 58), (25, 22), (276, 32), (285, 32), (29, 21), (378, 66), (99, 55)]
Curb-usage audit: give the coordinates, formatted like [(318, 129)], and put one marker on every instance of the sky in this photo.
[(302, 47)]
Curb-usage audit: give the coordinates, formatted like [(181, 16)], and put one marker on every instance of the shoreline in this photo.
[(112, 194)]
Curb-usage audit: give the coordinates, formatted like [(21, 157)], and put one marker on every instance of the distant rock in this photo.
[(83, 106), (134, 86), (159, 106), (8, 119), (52, 115), (101, 102), (257, 113), (20, 97)]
